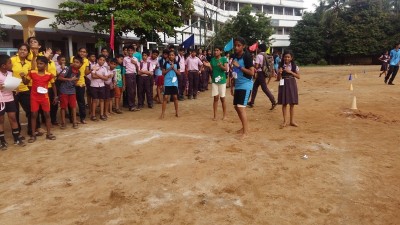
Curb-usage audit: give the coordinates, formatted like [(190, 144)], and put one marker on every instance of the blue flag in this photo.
[(229, 46), (188, 42)]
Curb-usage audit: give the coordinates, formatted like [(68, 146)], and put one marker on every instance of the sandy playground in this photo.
[(137, 169)]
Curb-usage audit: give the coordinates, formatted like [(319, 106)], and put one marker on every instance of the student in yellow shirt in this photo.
[(20, 66)]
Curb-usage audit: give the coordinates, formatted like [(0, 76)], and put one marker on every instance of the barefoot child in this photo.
[(170, 70), (218, 66), (98, 76), (39, 93), (7, 104), (109, 84), (67, 79), (243, 71), (287, 93)]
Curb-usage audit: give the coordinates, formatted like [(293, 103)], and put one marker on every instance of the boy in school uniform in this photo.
[(145, 72), (39, 93), (182, 79), (159, 76), (81, 84), (131, 67), (67, 80), (119, 82), (109, 84), (8, 105), (153, 59), (92, 62), (98, 75), (262, 59), (192, 70)]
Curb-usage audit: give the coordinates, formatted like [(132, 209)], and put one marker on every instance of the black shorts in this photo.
[(9, 107), (241, 97), (107, 92), (98, 92), (170, 90)]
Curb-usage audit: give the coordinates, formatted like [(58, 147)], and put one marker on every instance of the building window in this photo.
[(195, 21), (256, 8), (268, 9), (89, 1), (297, 12), (279, 30), (231, 6), (241, 5), (278, 11), (289, 11), (288, 30)]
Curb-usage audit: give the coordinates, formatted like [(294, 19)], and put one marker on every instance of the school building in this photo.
[(208, 16)]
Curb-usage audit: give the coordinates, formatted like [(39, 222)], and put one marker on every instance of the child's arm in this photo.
[(248, 72), (232, 86), (25, 80), (165, 71), (279, 73), (53, 86)]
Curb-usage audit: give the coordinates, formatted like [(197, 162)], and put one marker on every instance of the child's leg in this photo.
[(215, 105), (74, 115), (110, 106), (2, 139), (33, 122), (62, 116), (117, 102), (101, 107), (164, 106), (14, 126), (241, 111), (94, 105), (48, 123), (106, 106), (284, 115), (89, 102), (223, 108), (176, 105), (159, 94), (292, 123)]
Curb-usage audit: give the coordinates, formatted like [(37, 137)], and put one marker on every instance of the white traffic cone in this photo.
[(354, 103)]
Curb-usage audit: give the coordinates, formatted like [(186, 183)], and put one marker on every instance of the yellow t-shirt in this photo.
[(17, 68), (81, 81), (51, 68)]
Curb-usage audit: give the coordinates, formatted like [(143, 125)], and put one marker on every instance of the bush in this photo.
[(322, 62)]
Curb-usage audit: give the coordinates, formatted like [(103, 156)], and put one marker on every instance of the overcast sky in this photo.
[(309, 4)]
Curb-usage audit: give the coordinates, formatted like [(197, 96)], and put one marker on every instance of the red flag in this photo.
[(254, 47), (112, 33)]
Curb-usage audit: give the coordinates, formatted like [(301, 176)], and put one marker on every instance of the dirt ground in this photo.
[(137, 169)]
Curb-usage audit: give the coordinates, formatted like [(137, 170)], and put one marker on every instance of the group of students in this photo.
[(48, 83)]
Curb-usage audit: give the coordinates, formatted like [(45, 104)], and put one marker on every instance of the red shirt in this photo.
[(39, 80)]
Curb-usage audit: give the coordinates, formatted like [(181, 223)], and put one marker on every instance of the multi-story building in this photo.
[(284, 16), (208, 16)]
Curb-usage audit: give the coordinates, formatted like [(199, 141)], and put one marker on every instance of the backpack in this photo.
[(268, 65), (148, 66)]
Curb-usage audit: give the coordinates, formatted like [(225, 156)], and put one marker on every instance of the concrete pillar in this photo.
[(70, 47)]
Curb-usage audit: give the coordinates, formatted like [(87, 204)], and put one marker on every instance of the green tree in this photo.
[(341, 29), (144, 18), (251, 28), (307, 40)]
